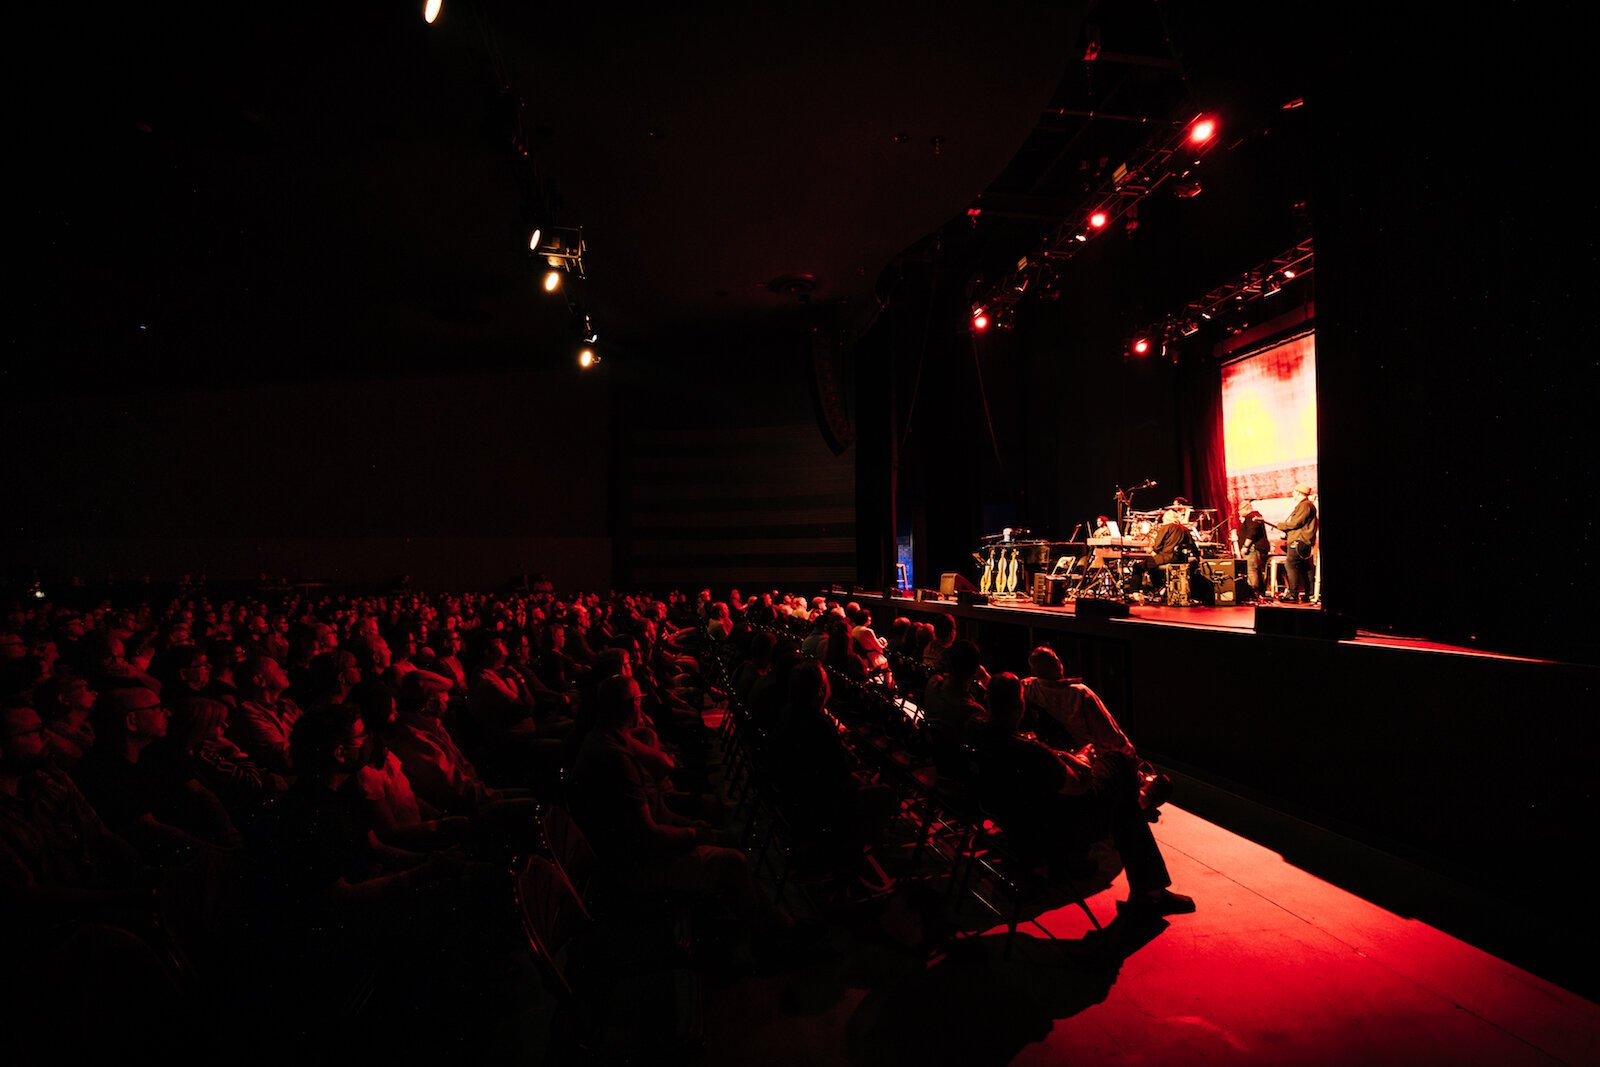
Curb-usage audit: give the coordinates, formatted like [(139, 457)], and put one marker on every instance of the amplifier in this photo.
[(1049, 591), (1229, 592), (1218, 569)]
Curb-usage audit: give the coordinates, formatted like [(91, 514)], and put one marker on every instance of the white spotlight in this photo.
[(430, 10)]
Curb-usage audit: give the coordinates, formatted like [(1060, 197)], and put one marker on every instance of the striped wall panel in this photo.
[(757, 507)]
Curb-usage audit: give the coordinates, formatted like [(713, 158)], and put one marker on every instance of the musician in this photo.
[(1301, 528), (1256, 547), (1173, 543), (1102, 526)]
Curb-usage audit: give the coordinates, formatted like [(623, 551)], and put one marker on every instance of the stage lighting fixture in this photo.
[(1080, 237), (1203, 130), (430, 10), (534, 238), (1288, 275), (587, 357), (1189, 328), (552, 281), (980, 320), (1098, 219), (1140, 346)]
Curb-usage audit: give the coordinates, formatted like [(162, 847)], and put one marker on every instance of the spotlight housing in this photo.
[(430, 11)]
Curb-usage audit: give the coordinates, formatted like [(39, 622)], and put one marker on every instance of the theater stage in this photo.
[(1473, 765)]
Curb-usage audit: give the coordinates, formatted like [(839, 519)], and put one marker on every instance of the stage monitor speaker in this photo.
[(951, 583), (1049, 591), (1303, 622), (970, 596), (1095, 608)]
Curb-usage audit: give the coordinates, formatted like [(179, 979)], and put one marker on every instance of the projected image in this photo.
[(1269, 426)]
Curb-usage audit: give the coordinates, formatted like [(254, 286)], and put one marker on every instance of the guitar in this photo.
[(1011, 573), (986, 583)]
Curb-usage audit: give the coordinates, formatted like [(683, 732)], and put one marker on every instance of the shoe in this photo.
[(1161, 902)]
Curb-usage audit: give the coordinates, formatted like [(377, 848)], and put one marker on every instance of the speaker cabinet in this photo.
[(1303, 622), (951, 583), (1226, 593), (1218, 570), (1048, 591), (1093, 608)]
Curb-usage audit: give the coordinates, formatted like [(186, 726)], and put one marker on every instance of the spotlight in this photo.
[(1141, 346), (1288, 275), (587, 357), (534, 238), (430, 10), (1080, 237), (980, 320), (1203, 130), (1098, 220), (552, 281)]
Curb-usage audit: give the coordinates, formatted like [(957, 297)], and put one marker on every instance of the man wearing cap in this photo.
[(1301, 529), (1256, 547)]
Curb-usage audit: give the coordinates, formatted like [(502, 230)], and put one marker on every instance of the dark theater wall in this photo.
[(457, 481)]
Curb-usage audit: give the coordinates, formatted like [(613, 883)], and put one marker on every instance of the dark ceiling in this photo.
[(213, 195)]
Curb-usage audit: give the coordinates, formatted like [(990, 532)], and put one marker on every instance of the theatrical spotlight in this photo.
[(1098, 220), (534, 239), (552, 281), (980, 320), (430, 10), (1202, 129), (1140, 346), (587, 357)]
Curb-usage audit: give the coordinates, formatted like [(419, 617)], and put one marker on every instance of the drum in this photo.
[(1178, 591)]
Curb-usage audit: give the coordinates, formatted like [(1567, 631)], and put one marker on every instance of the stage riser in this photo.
[(1425, 753)]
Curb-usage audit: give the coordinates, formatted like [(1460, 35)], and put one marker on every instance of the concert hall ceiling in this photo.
[(222, 195)]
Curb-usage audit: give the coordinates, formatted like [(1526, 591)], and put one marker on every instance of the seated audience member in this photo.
[(944, 635), (225, 658), (262, 723), (899, 640), (396, 813), (641, 845), (815, 646), (865, 641), (331, 860), (66, 702), (197, 736), (950, 706), (1068, 710), (1052, 805), (503, 706), (817, 772), (434, 764), (55, 850), (152, 801), (841, 655), (190, 678), (447, 660), (332, 676), (752, 669)]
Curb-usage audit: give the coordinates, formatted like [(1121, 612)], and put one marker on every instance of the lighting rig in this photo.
[(1171, 155), (1227, 301)]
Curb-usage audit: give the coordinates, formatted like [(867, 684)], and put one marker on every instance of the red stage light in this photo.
[(1202, 130), (1288, 274), (1098, 219), (980, 320), (1141, 346)]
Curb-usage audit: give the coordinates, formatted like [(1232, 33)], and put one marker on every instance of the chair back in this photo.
[(552, 919), (570, 851)]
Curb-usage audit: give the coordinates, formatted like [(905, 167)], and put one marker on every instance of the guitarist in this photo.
[(1301, 528), (1255, 547)]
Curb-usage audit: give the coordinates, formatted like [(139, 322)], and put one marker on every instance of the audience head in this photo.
[(23, 747), (1044, 663), (198, 719), (962, 660), (1005, 702), (808, 686), (617, 703), (944, 627), (423, 693), (134, 712), (327, 739), (261, 674)]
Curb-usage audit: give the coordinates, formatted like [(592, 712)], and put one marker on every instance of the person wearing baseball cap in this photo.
[(1301, 530)]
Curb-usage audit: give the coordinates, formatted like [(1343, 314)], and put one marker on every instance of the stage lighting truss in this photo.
[(561, 248), (1170, 155), (1261, 282)]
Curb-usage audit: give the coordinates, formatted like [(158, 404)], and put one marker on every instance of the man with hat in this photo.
[(1301, 530), (1256, 547)]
